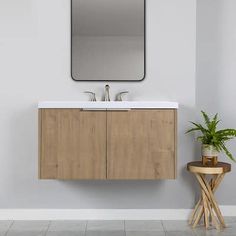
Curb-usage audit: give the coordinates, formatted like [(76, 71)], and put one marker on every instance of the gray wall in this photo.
[(216, 72), (35, 65)]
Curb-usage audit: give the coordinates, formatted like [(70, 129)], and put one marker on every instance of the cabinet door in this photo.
[(72, 144), (141, 144)]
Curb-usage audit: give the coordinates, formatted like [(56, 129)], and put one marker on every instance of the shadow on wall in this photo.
[(186, 140), (216, 71), (119, 194)]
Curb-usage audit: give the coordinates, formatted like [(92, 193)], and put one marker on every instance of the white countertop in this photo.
[(109, 105)]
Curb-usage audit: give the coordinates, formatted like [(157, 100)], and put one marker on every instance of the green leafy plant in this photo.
[(212, 136)]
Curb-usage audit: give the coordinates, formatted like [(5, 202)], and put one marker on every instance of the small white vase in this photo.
[(209, 151)]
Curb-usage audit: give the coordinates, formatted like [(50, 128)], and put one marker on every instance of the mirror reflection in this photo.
[(108, 40)]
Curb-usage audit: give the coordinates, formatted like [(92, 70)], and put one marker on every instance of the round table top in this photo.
[(197, 167)]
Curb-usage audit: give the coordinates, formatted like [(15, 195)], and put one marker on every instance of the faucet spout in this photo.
[(107, 93)]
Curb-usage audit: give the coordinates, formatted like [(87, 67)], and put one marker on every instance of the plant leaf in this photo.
[(227, 132), (211, 136), (206, 118), (227, 152), (191, 130)]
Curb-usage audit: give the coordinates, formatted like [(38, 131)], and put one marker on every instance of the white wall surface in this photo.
[(35, 65), (216, 73)]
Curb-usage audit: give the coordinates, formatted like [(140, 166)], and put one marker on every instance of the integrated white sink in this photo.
[(109, 105)]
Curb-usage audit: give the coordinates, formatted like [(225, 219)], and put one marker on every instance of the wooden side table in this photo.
[(209, 179)]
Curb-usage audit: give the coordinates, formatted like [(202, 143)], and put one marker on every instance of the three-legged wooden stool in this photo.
[(209, 179)]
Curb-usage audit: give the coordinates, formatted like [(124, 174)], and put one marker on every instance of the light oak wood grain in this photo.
[(198, 167), (141, 144), (209, 179), (72, 144)]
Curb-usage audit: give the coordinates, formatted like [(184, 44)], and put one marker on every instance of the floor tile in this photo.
[(66, 233), (180, 233), (143, 225), (105, 233), (230, 230), (5, 224), (145, 233), (176, 225), (230, 219), (209, 232), (68, 225), (111, 225), (30, 226), (111, 228), (25, 233)]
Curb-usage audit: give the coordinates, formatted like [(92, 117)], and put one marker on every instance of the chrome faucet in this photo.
[(107, 93), (119, 96), (93, 96)]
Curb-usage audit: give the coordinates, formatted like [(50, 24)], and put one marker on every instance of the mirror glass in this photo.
[(108, 40)]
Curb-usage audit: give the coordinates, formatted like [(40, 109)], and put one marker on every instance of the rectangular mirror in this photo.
[(108, 40)]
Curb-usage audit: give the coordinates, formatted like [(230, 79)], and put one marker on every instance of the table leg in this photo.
[(212, 200), (193, 214), (205, 207), (207, 204), (198, 216)]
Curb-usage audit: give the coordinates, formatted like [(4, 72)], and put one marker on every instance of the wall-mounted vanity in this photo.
[(107, 140)]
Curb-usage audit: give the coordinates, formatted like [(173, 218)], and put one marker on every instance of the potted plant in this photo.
[(213, 140)]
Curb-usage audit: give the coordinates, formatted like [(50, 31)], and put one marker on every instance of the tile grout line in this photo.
[(86, 228), (9, 228), (196, 234), (163, 227), (125, 227), (46, 231)]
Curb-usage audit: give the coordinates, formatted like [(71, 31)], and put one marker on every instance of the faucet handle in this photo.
[(119, 96), (93, 96)]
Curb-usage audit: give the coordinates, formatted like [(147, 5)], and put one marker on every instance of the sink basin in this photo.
[(109, 105)]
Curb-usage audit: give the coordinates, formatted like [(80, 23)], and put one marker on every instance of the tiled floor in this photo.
[(110, 228)]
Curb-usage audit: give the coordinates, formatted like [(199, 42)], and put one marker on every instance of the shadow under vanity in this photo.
[(107, 140)]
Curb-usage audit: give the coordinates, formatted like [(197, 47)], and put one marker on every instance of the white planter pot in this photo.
[(209, 151)]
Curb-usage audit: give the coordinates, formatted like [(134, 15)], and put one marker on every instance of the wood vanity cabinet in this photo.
[(141, 144), (72, 144), (132, 144)]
